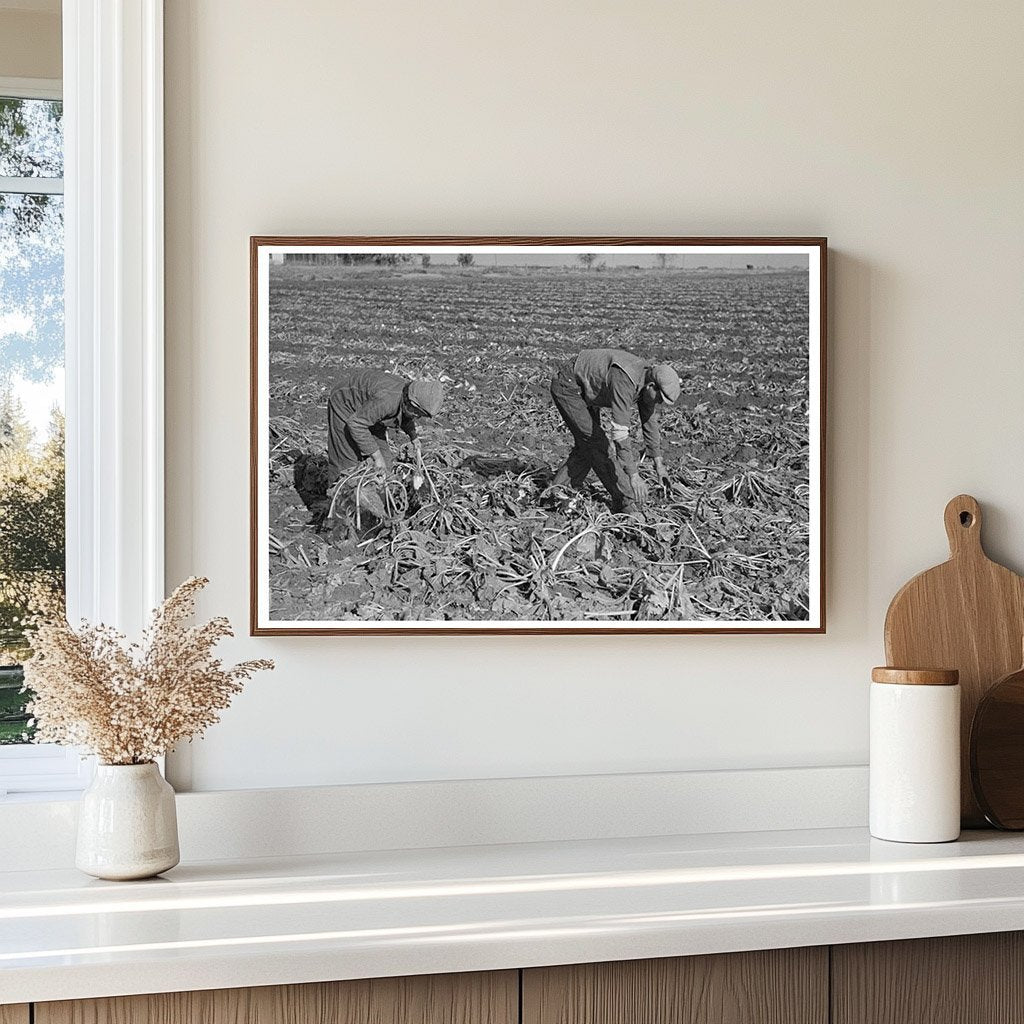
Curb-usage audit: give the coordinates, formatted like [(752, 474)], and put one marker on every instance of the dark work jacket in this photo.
[(614, 379), (365, 399)]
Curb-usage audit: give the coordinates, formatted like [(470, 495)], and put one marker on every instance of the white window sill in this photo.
[(42, 797), (42, 772)]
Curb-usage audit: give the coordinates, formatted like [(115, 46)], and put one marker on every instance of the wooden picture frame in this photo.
[(753, 306)]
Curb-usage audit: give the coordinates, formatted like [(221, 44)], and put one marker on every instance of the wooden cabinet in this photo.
[(778, 986), (491, 998), (962, 979), (970, 979)]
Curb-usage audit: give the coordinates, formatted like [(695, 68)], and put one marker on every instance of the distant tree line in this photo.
[(380, 259), (377, 259)]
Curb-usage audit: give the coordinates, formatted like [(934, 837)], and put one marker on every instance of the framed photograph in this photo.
[(537, 435)]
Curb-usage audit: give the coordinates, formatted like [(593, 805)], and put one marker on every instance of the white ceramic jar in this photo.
[(127, 823), (915, 755)]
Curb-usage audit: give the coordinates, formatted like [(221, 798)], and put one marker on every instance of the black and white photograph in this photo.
[(537, 435)]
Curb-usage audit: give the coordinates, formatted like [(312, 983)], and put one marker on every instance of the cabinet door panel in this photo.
[(14, 1014), (779, 986), (960, 979), (484, 998)]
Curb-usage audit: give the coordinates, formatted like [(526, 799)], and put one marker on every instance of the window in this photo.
[(112, 211), (32, 530)]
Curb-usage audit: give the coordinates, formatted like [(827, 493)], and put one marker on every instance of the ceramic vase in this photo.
[(127, 825)]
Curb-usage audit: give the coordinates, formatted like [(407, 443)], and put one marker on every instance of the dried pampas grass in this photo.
[(130, 703)]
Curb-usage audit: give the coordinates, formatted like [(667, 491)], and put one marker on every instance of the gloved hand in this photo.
[(663, 478), (379, 462), (639, 487)]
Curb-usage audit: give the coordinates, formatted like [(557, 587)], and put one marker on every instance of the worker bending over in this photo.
[(613, 379), (363, 406)]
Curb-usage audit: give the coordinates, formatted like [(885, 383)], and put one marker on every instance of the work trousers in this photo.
[(592, 449)]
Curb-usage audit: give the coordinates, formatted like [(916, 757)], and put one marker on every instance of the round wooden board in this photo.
[(997, 752)]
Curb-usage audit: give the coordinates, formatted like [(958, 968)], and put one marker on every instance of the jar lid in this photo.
[(916, 676)]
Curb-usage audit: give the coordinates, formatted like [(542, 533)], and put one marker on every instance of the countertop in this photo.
[(224, 924)]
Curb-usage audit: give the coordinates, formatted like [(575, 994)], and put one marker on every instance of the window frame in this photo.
[(32, 89), (112, 89)]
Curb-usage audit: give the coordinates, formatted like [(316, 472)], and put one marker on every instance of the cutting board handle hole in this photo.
[(962, 517)]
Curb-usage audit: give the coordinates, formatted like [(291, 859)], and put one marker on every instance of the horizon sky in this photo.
[(679, 261)]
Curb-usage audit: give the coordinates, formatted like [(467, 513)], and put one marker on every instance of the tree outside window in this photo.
[(32, 543)]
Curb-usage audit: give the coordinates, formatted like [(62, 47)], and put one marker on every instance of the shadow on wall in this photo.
[(852, 290)]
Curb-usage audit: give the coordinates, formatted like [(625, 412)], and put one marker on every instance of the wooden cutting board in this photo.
[(967, 614)]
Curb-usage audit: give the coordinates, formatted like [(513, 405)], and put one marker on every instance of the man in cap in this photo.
[(613, 379), (363, 406)]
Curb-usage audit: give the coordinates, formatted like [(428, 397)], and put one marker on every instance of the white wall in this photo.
[(895, 129)]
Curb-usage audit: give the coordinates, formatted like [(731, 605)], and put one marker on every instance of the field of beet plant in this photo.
[(482, 536)]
